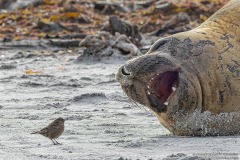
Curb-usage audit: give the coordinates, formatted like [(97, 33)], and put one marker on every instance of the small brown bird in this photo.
[(53, 130)]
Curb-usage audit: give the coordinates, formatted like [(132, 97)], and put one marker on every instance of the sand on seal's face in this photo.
[(191, 80)]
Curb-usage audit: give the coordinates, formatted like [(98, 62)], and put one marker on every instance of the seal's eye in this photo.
[(158, 44), (161, 87)]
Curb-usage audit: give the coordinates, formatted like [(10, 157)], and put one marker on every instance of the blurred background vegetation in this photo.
[(36, 19)]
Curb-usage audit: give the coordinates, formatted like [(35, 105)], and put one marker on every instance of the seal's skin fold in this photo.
[(203, 65)]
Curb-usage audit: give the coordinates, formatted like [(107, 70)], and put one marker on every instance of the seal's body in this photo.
[(191, 80)]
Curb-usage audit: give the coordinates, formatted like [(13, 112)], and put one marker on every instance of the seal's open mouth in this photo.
[(161, 88)]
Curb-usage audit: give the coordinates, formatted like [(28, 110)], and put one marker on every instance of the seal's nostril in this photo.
[(125, 72)]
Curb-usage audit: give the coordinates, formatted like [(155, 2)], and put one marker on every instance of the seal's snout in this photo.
[(149, 80), (124, 76)]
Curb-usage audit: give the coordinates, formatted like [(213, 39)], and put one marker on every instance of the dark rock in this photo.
[(67, 43), (110, 7), (130, 30), (48, 27), (179, 23), (5, 4), (15, 4), (164, 7), (7, 66), (105, 45), (72, 36)]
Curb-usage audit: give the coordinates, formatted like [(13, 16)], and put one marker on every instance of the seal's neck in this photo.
[(226, 20)]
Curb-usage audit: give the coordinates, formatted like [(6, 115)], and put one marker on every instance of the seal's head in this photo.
[(161, 82)]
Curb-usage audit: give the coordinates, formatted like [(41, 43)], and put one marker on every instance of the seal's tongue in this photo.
[(162, 86)]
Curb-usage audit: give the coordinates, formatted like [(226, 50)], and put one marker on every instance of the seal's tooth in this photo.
[(166, 103), (148, 87), (173, 88), (148, 93)]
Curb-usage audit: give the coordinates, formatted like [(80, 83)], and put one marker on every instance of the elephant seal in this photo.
[(191, 80)]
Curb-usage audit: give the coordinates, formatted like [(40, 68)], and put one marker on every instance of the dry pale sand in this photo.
[(101, 122)]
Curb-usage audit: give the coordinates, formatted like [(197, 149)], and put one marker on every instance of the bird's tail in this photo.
[(34, 133)]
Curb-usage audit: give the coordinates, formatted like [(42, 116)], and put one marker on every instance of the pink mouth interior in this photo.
[(161, 86)]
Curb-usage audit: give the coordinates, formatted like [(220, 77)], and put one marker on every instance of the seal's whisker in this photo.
[(134, 103), (141, 107)]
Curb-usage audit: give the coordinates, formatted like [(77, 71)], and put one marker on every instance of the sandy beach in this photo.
[(102, 123)]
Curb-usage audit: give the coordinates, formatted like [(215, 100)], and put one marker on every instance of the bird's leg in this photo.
[(53, 142), (56, 141)]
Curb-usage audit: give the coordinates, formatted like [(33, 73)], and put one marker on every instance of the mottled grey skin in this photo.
[(207, 61)]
